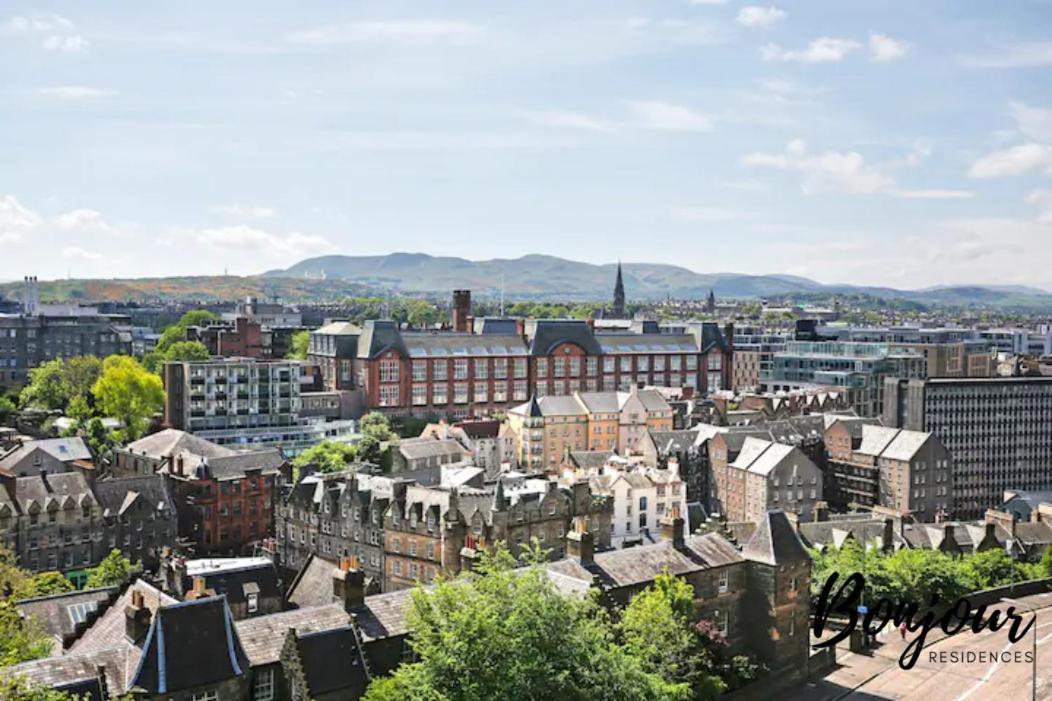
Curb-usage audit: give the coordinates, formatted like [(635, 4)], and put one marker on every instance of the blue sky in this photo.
[(894, 143)]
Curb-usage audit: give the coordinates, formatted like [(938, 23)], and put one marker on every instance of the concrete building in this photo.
[(859, 368), (998, 432), (246, 402), (48, 332)]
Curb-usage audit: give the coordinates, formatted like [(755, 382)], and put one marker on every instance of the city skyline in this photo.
[(897, 146)]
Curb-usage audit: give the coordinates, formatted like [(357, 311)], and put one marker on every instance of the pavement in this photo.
[(875, 675)]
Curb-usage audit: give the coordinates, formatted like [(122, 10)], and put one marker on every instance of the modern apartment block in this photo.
[(248, 402), (45, 332), (998, 432), (948, 352), (860, 368), (754, 350), (503, 362)]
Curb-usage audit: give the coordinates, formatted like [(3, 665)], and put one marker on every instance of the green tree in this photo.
[(175, 351), (46, 584), (113, 571), (7, 407), (327, 456), (54, 384), (421, 313), (12, 687), (987, 569), (502, 633), (298, 347), (20, 640), (128, 392), (657, 629)]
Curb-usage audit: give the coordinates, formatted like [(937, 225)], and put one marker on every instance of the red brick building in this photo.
[(503, 362), (240, 338)]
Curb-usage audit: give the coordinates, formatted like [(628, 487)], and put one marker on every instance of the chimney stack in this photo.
[(136, 618), (889, 535), (198, 590), (348, 584), (672, 527), (461, 310), (821, 511), (580, 544)]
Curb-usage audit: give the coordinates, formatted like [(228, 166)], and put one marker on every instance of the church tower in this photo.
[(619, 295)]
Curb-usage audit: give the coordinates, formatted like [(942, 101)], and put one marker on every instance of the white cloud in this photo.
[(1034, 122), (75, 92), (408, 31), (1016, 160), (15, 219), (572, 120), (1042, 199), (85, 221), (665, 116), (821, 50), (242, 211), (883, 48), (81, 254), (249, 239), (755, 16), (55, 33), (836, 171), (1019, 55)]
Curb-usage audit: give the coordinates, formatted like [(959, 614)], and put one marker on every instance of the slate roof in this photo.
[(586, 459), (384, 615), (214, 655), (230, 467), (378, 336), (236, 581), (116, 495), (668, 442), (640, 565), (76, 671), (423, 448), (751, 450), (770, 458), (905, 445), (775, 541), (653, 400), (61, 490), (172, 441), (62, 449), (59, 614), (622, 343), (601, 402), (313, 583), (549, 333), (453, 345), (339, 328), (875, 439), (332, 661), (834, 533), (262, 637), (108, 630)]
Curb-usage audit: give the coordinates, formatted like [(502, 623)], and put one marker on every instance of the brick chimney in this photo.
[(821, 511), (580, 544), (198, 590), (469, 553), (1005, 518), (672, 527), (348, 584), (1042, 514), (889, 535), (136, 618), (461, 310)]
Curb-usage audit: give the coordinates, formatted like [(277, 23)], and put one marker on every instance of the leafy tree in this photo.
[(421, 313), (13, 687), (656, 629), (987, 569), (7, 407), (186, 350), (129, 392), (1046, 562), (502, 633), (197, 317), (20, 640), (79, 410), (46, 584), (54, 384), (176, 333), (327, 456), (299, 345), (113, 571)]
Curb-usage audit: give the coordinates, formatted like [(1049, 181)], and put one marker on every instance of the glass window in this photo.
[(389, 370), (419, 394), (419, 371), (460, 393), (439, 369), (460, 369), (263, 685), (440, 394), (500, 368), (520, 368), (481, 368)]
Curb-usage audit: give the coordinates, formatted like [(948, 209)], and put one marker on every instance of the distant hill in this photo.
[(535, 277), (539, 276)]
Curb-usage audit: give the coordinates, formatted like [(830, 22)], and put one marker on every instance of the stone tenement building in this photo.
[(340, 639), (225, 499), (334, 516), (767, 475), (64, 522), (503, 362), (438, 530), (998, 432)]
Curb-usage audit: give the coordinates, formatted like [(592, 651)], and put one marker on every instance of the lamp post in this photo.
[(1033, 661)]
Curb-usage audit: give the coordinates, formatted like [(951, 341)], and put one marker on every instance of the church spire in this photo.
[(619, 295)]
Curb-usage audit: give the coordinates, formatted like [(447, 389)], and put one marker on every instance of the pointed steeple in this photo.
[(710, 304), (619, 294), (498, 496)]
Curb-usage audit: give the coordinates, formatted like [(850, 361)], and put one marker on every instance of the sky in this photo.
[(897, 143)]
